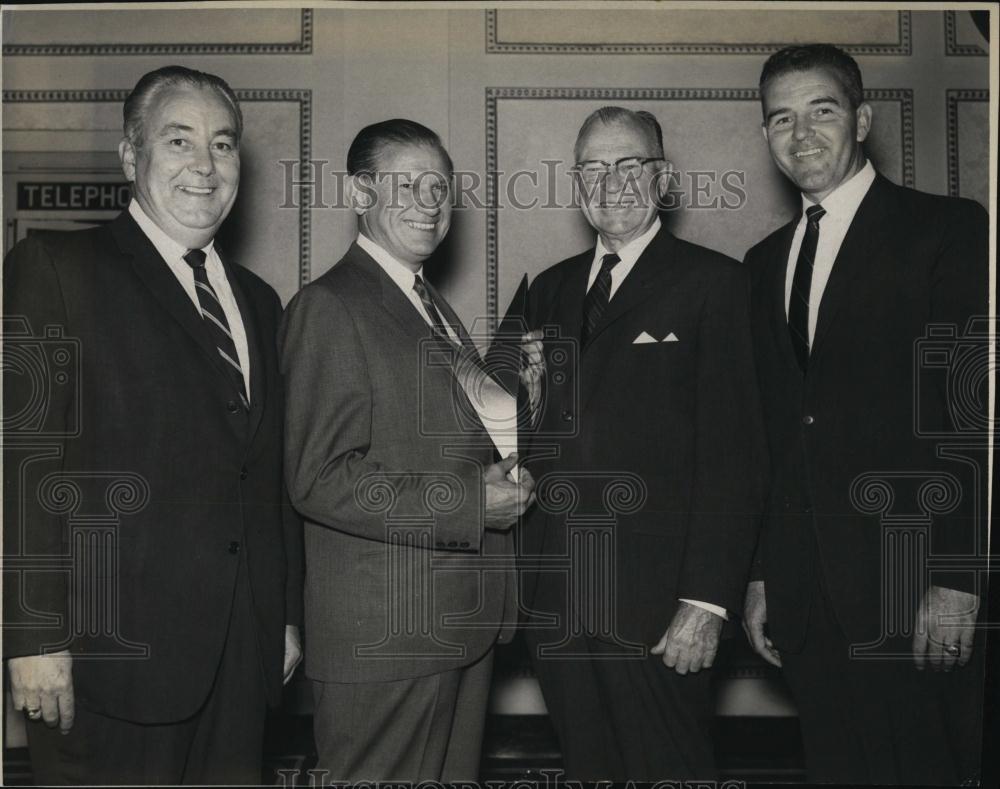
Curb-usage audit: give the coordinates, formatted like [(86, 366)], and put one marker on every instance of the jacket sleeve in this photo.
[(956, 411), (728, 481), (37, 425)]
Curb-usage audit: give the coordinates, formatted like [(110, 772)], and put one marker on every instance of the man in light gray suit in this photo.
[(394, 473)]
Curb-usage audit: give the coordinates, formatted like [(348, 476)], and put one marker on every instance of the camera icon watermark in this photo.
[(41, 374)]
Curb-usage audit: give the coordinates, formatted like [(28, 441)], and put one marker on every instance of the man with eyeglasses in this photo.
[(653, 431)]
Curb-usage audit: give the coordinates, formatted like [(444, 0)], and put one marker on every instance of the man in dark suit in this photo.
[(645, 445), (842, 298), (152, 567), (407, 537)]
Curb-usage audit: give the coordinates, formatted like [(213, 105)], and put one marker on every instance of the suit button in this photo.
[(231, 407), (234, 547), (567, 416), (244, 473), (807, 420)]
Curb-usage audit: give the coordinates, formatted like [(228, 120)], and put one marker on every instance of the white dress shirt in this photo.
[(404, 277), (841, 205), (496, 408), (629, 254), (173, 253)]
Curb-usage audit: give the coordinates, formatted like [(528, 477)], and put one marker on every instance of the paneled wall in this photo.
[(505, 88)]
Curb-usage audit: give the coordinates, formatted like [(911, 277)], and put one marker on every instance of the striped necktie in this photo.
[(598, 297), (798, 302), (216, 324), (432, 311)]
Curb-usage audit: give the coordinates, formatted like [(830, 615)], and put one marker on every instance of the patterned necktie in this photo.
[(425, 298), (598, 297), (798, 303), (216, 323)]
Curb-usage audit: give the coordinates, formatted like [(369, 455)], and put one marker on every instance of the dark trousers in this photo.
[(423, 729), (220, 744), (881, 721), (621, 719)]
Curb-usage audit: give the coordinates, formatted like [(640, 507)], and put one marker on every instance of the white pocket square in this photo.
[(671, 338), (643, 338)]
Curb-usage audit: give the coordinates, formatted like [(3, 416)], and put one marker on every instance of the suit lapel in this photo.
[(642, 282), (409, 320), (777, 271), (155, 274), (251, 326), (858, 252), (651, 274)]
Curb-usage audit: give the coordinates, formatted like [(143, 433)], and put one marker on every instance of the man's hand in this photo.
[(293, 651), (691, 641), (754, 619), (506, 500), (946, 623), (43, 685), (532, 369)]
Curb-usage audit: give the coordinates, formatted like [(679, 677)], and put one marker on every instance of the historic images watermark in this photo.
[(522, 190)]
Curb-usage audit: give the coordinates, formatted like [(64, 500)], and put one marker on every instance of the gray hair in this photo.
[(640, 119), (151, 85)]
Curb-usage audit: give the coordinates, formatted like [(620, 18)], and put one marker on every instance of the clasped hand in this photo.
[(506, 500)]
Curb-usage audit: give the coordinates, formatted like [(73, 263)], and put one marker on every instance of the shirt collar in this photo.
[(165, 245), (398, 272), (845, 199), (634, 248)]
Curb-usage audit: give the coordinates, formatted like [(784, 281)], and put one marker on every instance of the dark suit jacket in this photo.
[(145, 401), (676, 421), (384, 459), (908, 260)]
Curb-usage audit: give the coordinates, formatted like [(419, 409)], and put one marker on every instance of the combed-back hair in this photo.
[(804, 57), (641, 119), (151, 85), (371, 141)]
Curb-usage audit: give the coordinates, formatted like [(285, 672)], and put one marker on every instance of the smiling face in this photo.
[(186, 170), (409, 208), (620, 209), (813, 132)]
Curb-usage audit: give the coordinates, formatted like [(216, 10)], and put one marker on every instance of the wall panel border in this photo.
[(494, 46), (953, 97), (951, 45), (303, 46)]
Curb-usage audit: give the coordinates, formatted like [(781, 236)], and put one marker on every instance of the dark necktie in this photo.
[(798, 302), (216, 324), (598, 297), (425, 298)]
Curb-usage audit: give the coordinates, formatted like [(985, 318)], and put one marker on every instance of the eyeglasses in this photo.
[(594, 170)]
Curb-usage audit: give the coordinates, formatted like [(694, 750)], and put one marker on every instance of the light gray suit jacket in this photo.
[(384, 459)]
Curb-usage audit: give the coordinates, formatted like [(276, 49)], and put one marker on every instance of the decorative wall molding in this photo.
[(953, 98), (302, 97), (951, 45), (303, 46), (494, 46), (495, 94)]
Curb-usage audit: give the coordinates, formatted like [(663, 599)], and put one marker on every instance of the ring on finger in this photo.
[(953, 649)]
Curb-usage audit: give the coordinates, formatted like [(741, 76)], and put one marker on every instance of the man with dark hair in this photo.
[(407, 515), (878, 647), (646, 449), (146, 651)]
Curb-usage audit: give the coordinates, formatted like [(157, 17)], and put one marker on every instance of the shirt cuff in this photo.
[(718, 610)]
